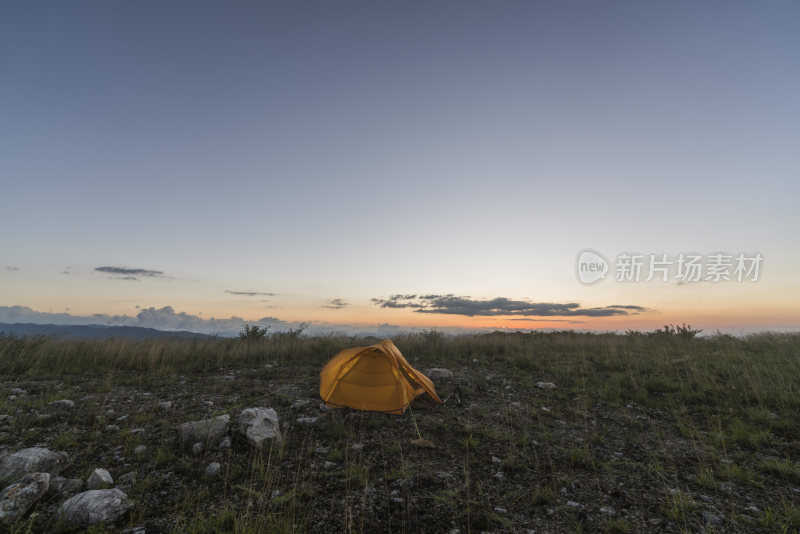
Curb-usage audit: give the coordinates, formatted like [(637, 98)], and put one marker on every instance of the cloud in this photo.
[(530, 320), (336, 304), (454, 305), (249, 293), (165, 318), (11, 269), (124, 273)]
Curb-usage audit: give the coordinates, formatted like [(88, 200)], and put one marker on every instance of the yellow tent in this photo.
[(376, 378)]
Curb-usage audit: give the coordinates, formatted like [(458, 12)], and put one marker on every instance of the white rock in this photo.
[(17, 498), (165, 406), (63, 403), (140, 450), (99, 479), (94, 506), (439, 373), (210, 431), (260, 426), (500, 511), (545, 385), (198, 448), (32, 460)]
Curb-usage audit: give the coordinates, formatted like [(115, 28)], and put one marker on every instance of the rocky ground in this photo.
[(252, 449)]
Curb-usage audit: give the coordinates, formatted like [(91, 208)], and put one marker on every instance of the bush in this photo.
[(685, 331), (253, 333)]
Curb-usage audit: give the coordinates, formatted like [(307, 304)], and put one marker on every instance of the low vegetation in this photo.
[(666, 431)]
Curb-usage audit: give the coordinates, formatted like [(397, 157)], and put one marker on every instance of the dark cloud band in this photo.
[(125, 272), (455, 305), (336, 304), (249, 293)]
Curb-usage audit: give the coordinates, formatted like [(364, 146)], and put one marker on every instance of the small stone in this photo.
[(330, 465), (545, 385), (128, 478), (499, 476), (198, 448), (225, 443), (324, 407), (496, 460), (213, 469), (165, 406), (18, 391), (299, 403), (112, 428), (136, 431), (424, 443), (711, 518), (357, 447), (99, 479), (608, 510), (17, 498), (307, 421), (322, 450), (573, 504), (94, 506), (122, 418), (500, 511), (140, 450), (64, 486), (63, 403), (276, 493)]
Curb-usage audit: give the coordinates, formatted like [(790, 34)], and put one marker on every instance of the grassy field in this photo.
[(657, 432)]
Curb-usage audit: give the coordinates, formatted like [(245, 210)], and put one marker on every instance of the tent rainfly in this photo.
[(375, 378)]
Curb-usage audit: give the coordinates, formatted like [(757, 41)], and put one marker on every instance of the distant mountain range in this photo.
[(94, 331)]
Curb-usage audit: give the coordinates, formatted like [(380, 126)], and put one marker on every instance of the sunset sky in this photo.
[(415, 164)]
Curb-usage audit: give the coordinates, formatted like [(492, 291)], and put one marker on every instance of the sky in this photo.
[(359, 165)]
